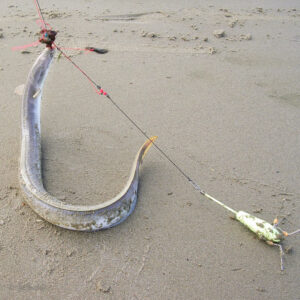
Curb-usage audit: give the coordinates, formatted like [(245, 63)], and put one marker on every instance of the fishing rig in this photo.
[(272, 234)]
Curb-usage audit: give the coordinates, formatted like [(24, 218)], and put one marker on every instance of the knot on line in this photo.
[(48, 37)]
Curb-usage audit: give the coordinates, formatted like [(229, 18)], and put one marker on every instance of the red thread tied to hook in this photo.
[(16, 48)]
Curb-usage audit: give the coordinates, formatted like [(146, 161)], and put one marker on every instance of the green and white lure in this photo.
[(270, 233)]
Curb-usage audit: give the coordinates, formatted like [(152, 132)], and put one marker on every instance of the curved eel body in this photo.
[(74, 217)]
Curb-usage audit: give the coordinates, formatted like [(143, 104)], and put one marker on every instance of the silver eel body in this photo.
[(75, 217)]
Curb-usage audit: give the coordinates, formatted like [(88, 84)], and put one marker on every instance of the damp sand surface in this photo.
[(218, 82)]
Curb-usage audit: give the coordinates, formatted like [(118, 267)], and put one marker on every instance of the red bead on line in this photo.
[(101, 92)]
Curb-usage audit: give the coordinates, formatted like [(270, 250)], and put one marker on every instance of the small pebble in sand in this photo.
[(54, 15), (198, 47), (25, 52), (1, 35), (152, 35), (233, 23), (212, 50), (219, 33), (149, 34), (70, 252), (205, 39), (186, 39), (1, 222), (103, 287), (246, 37)]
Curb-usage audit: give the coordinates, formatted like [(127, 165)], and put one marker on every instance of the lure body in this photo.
[(74, 217), (261, 228)]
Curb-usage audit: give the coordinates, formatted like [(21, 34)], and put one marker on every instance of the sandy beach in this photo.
[(218, 83)]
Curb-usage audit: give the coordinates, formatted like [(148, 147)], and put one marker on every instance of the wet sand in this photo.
[(218, 82)]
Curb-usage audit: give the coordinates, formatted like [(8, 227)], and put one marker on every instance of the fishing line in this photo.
[(38, 8), (100, 91)]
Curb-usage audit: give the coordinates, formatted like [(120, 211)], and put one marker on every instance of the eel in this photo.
[(74, 217)]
